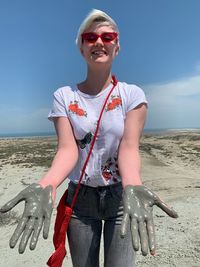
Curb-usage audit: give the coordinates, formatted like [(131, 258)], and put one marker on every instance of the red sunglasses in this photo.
[(92, 37)]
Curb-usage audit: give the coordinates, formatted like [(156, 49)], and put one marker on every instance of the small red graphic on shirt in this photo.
[(107, 174), (74, 108), (115, 102), (110, 170)]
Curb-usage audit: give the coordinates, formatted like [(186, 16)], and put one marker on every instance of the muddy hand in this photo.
[(138, 202), (36, 215)]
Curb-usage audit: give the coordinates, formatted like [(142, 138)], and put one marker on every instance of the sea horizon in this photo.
[(27, 134), (145, 131)]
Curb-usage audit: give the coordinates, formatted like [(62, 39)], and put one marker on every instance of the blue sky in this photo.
[(160, 52)]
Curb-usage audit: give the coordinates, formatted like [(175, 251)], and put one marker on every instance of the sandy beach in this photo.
[(170, 166)]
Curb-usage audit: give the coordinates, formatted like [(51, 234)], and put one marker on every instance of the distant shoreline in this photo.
[(146, 131), (171, 131), (27, 135)]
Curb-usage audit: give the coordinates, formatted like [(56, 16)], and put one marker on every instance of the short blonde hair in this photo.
[(95, 16)]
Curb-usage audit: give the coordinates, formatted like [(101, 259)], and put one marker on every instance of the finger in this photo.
[(11, 204), (36, 233), (48, 203), (47, 221), (151, 235), (26, 235), (135, 234), (170, 211), (143, 237), (124, 225), (18, 231)]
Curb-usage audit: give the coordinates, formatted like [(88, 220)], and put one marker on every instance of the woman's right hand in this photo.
[(36, 215)]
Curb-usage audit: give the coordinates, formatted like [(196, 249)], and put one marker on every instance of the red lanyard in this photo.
[(93, 141), (64, 212)]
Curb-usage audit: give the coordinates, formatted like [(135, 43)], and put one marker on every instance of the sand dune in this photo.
[(170, 166)]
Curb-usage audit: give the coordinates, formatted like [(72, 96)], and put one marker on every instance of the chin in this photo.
[(101, 64), (101, 60)]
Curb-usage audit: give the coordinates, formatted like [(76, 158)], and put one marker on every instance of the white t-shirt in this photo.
[(83, 111)]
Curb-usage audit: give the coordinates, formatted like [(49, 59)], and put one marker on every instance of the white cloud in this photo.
[(174, 104)]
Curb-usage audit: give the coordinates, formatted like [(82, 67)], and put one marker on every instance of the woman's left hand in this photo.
[(138, 202)]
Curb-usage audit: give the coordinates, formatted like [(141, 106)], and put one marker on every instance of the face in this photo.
[(99, 52)]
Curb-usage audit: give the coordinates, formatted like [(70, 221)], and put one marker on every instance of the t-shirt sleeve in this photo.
[(58, 108), (135, 97)]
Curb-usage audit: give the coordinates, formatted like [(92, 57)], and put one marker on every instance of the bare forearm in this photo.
[(129, 164), (62, 165)]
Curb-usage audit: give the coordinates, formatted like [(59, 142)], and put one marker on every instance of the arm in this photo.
[(39, 198), (65, 158), (138, 200), (129, 157)]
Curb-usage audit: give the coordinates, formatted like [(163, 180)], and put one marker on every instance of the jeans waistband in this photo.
[(73, 185)]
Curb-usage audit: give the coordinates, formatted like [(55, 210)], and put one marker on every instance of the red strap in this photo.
[(93, 141), (64, 212), (61, 224)]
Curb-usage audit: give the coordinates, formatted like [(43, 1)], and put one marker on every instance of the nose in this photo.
[(99, 41)]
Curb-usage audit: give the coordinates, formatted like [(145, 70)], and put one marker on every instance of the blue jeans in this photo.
[(93, 206)]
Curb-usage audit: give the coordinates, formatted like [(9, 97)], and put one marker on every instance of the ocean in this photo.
[(146, 131), (35, 134)]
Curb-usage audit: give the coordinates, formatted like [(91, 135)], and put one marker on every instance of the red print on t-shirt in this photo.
[(74, 108), (115, 102), (107, 174)]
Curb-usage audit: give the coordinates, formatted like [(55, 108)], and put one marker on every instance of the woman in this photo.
[(111, 189)]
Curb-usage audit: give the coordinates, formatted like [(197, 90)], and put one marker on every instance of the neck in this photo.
[(96, 81)]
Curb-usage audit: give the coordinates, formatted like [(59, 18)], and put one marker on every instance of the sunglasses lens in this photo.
[(90, 37), (108, 36)]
